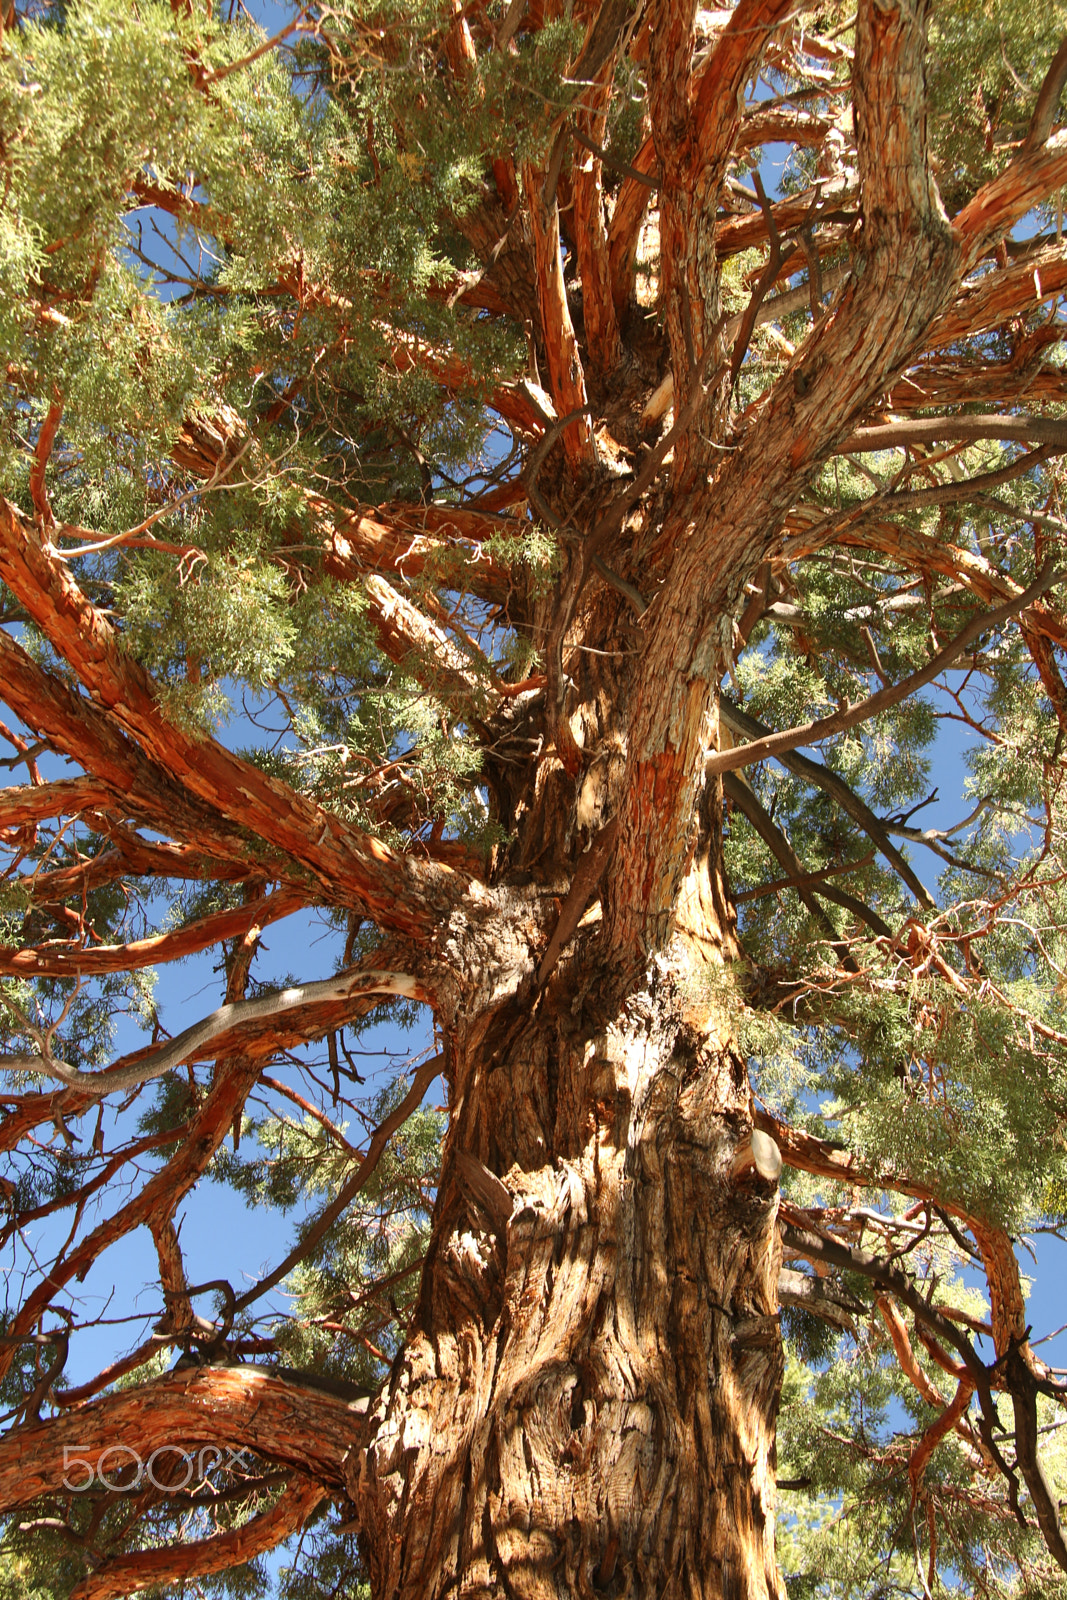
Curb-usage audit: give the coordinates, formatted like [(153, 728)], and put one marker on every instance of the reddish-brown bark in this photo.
[(228, 1407), (118, 1578), (401, 893), (57, 962)]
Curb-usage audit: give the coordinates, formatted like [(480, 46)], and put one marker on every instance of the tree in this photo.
[(444, 491)]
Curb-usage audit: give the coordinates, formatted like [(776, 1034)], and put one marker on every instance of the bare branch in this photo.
[(928, 430), (227, 1020), (841, 721), (422, 1080)]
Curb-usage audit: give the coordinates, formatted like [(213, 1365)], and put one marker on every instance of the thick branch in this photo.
[(409, 637), (995, 297), (950, 1418), (1047, 101), (719, 104), (399, 892), (908, 271), (230, 1407), (566, 378), (66, 798), (1027, 180), (929, 556), (76, 727)]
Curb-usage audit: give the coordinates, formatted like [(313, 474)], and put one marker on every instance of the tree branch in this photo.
[(1047, 101), (229, 1407), (739, 793), (995, 297), (566, 377), (809, 880), (815, 772), (310, 1236), (930, 430), (841, 721), (95, 959), (125, 1575), (399, 892), (1027, 180), (227, 1020), (68, 797)]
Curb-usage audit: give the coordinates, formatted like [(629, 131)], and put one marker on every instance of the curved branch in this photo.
[(818, 1248), (229, 1407), (59, 963), (1030, 178), (719, 107), (125, 1575), (226, 1020), (950, 1418)]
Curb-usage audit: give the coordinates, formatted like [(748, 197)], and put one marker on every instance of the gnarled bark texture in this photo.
[(586, 1403)]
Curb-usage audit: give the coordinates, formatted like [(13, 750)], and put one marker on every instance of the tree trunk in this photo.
[(587, 1400)]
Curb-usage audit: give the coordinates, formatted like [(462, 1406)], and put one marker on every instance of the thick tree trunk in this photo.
[(586, 1404)]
